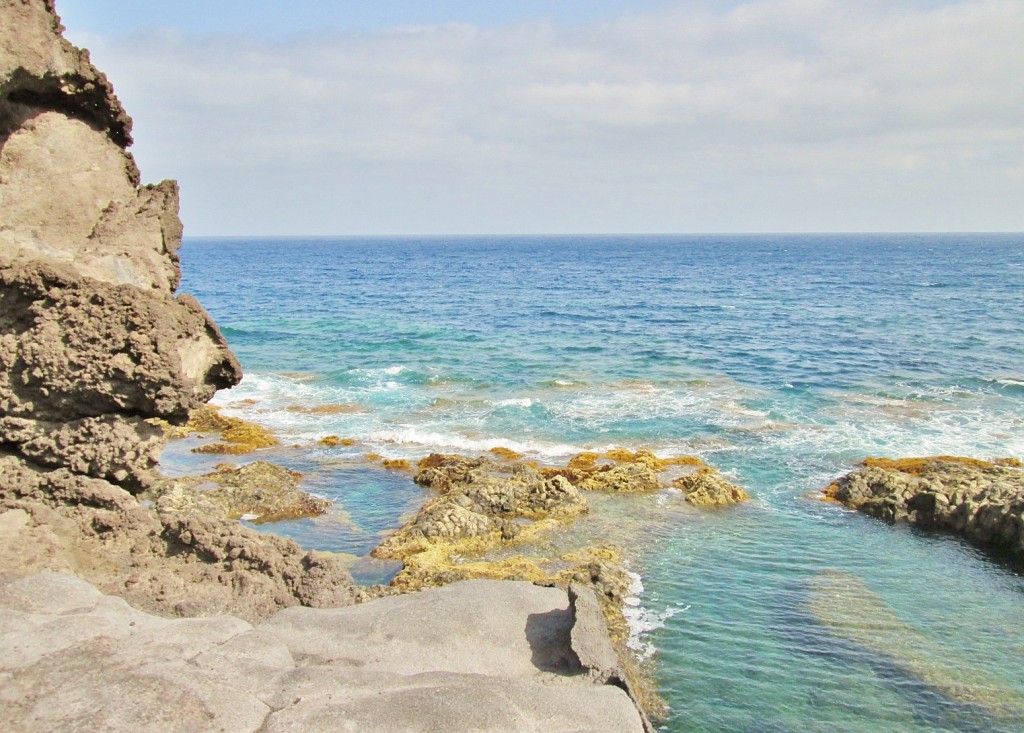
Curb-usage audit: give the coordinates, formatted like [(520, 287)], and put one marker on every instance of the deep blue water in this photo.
[(783, 360)]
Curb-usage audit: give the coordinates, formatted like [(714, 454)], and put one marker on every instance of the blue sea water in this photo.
[(782, 360)]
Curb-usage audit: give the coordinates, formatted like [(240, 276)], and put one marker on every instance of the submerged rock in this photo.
[(259, 491), (979, 500), (851, 611)]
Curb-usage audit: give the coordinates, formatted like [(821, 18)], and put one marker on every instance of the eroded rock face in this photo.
[(94, 344), (179, 564), (92, 338), (983, 502)]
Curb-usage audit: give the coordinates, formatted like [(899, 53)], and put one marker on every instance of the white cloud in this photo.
[(778, 114)]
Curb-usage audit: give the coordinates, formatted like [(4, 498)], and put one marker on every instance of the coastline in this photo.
[(517, 408)]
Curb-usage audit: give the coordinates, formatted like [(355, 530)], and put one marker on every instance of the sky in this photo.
[(572, 116)]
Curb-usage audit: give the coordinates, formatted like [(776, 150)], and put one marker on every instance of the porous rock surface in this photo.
[(982, 502), (477, 499), (258, 491), (707, 488), (94, 344), (480, 656), (93, 340)]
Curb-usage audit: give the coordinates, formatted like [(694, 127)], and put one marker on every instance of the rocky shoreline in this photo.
[(488, 656), (99, 356), (981, 501)]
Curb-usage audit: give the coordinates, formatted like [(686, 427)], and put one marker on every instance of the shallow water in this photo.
[(782, 360)]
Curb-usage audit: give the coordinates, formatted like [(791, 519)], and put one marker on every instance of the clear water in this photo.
[(783, 360)]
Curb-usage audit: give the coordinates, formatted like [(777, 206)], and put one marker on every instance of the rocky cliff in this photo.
[(94, 344)]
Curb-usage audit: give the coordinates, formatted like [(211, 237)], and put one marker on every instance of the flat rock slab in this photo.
[(473, 656)]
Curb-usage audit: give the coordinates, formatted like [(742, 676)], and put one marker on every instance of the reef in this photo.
[(851, 612), (236, 436), (483, 505), (486, 509), (982, 501)]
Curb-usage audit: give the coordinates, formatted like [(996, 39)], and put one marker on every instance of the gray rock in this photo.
[(472, 656)]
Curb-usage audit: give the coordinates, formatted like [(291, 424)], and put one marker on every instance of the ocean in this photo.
[(783, 360)]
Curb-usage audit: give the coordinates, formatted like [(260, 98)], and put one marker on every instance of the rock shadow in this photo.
[(549, 635)]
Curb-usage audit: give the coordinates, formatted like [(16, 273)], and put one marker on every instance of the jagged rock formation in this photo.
[(481, 656), (92, 339), (981, 501), (94, 345), (476, 500), (706, 488)]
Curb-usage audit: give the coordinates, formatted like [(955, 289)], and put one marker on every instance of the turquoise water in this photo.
[(783, 360)]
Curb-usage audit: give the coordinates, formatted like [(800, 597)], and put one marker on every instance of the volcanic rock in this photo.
[(707, 488), (95, 345), (978, 500)]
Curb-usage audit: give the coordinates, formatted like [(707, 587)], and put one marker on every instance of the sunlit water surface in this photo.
[(782, 360)]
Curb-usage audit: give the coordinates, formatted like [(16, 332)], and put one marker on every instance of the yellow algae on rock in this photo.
[(647, 458), (623, 471), (583, 460), (333, 441), (917, 466), (237, 436), (507, 453), (330, 409), (373, 457), (396, 464), (631, 478), (260, 491), (707, 488)]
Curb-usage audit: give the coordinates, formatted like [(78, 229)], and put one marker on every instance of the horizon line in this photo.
[(612, 234)]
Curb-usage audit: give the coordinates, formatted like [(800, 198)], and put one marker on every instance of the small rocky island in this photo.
[(127, 604), (982, 501)]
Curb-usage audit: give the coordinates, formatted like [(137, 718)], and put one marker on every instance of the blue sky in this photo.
[(276, 19), (541, 116)]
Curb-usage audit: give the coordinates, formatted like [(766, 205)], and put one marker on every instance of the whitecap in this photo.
[(410, 435), (521, 402), (642, 621)]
